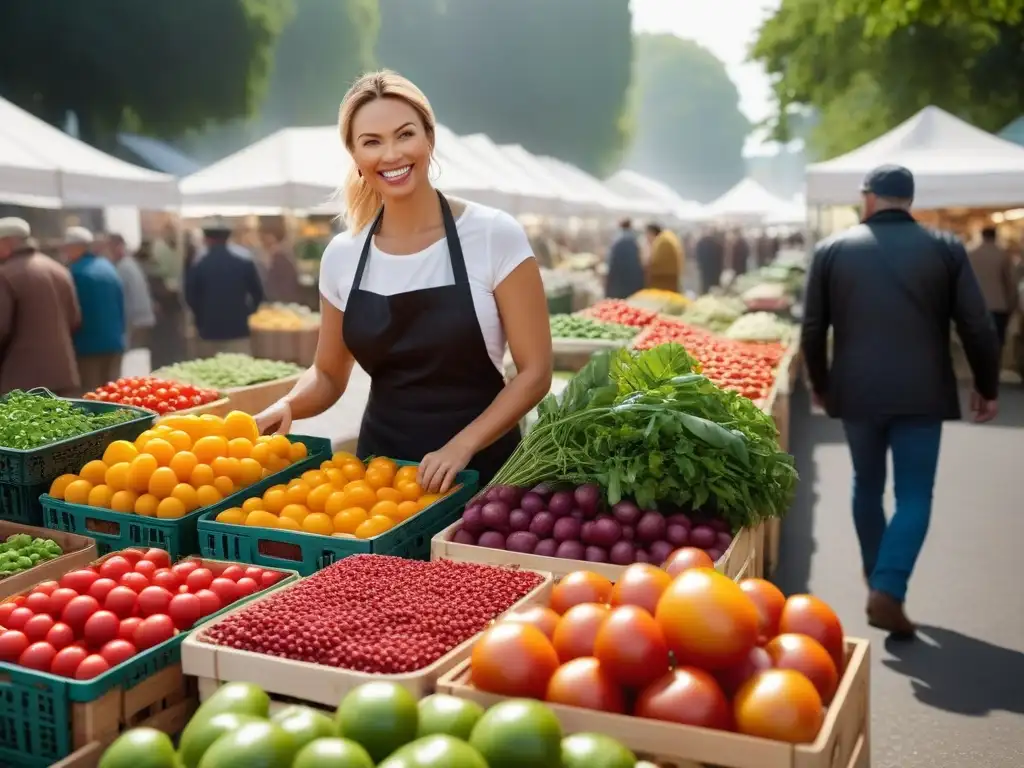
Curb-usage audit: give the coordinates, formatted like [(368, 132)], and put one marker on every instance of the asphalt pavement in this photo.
[(955, 697)]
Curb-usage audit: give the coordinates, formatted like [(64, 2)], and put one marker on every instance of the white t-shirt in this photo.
[(493, 244)]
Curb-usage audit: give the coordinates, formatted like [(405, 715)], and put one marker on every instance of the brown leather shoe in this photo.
[(886, 613)]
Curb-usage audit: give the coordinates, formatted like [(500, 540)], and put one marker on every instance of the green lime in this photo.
[(140, 748), (517, 733), (304, 724), (240, 698), (380, 716), (441, 713), (437, 751), (332, 753), (203, 732), (595, 750), (254, 745)]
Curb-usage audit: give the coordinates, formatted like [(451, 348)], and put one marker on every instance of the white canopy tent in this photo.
[(579, 202), (580, 179), (954, 164), (534, 195), (791, 213), (43, 166), (660, 198), (746, 203)]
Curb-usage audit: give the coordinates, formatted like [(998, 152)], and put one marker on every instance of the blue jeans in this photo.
[(889, 550)]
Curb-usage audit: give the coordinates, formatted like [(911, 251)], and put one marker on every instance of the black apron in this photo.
[(430, 373)]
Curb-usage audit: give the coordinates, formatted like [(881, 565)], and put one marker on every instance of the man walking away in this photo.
[(625, 270), (282, 279), (739, 253), (222, 289), (38, 314), (994, 270), (100, 339), (710, 260), (138, 303), (665, 266), (890, 288)]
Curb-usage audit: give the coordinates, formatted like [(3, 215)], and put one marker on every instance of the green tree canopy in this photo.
[(884, 17), (157, 66), (690, 131), (552, 76), (866, 74)]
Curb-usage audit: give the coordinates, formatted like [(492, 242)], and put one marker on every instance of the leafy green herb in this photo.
[(30, 421), (643, 425)]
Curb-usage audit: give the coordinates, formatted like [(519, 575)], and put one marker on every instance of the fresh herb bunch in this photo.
[(30, 421), (643, 425)]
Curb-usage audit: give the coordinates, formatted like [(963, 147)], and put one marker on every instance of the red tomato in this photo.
[(687, 696), (132, 555), (781, 705), (159, 557), (117, 651), (134, 581), (707, 620), (631, 647), (640, 585), (146, 567), (92, 666), (78, 611), (577, 588), (153, 600), (59, 599), (208, 602), (584, 682), (254, 573), (167, 579), (37, 602), (101, 628), (184, 611), (35, 629), (270, 578), (769, 601), (45, 587), (808, 657), (79, 580), (686, 558), (233, 572), (12, 644), (60, 635), (101, 588), (183, 589), (512, 659), (6, 609), (184, 568), (200, 578), (18, 600), (67, 660), (115, 567), (153, 631), (576, 632), (225, 589), (734, 678), (126, 631), (19, 617), (542, 618), (808, 615), (121, 601), (245, 587), (38, 656)]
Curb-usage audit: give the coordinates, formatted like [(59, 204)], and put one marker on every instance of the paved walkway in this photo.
[(955, 698)]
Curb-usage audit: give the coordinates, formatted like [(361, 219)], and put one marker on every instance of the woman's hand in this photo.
[(437, 471), (276, 419)]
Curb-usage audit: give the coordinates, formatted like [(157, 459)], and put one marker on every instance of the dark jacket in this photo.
[(625, 272), (222, 289), (890, 289)]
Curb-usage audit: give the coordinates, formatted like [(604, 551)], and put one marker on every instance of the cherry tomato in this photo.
[(198, 579), (38, 656), (35, 628), (513, 659), (159, 557), (208, 601), (101, 628), (6, 609), (134, 581), (225, 589), (254, 573), (12, 644), (128, 626), (60, 635), (781, 705), (808, 657), (584, 682), (78, 611), (132, 555), (233, 572), (59, 599), (117, 651), (811, 616), (152, 631), (270, 578), (167, 579), (37, 602), (67, 660), (19, 617), (101, 588), (146, 567), (153, 600), (115, 567), (575, 634), (45, 587), (91, 666), (184, 568), (121, 601), (246, 586), (184, 610)]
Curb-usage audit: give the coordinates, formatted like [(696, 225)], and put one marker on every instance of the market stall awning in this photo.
[(579, 202), (954, 163), (656, 195), (747, 203), (535, 195), (40, 161), (615, 203), (158, 155)]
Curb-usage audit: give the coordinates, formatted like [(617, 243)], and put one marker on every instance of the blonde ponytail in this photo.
[(361, 201)]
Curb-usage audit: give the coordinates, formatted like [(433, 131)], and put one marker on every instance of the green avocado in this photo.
[(140, 748)]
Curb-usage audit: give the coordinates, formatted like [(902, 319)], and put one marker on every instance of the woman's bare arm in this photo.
[(327, 379)]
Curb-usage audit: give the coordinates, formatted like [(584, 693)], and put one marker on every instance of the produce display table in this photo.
[(79, 551), (257, 397), (843, 742), (778, 406)]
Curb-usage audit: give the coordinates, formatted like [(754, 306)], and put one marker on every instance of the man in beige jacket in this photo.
[(994, 270)]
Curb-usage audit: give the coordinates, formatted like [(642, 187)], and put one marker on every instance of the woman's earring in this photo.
[(360, 173)]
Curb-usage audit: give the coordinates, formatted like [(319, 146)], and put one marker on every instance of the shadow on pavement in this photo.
[(797, 547), (960, 674)]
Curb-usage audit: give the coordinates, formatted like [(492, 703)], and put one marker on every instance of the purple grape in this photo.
[(491, 539), (703, 537), (714, 554), (651, 527), (679, 519), (462, 536), (719, 525), (595, 555), (543, 524), (518, 520), (560, 503), (473, 521), (628, 533), (495, 516), (546, 548), (567, 529), (571, 550), (660, 550), (532, 503), (627, 513), (723, 541), (588, 498), (677, 535), (522, 541), (587, 532), (623, 553), (510, 495), (642, 556)]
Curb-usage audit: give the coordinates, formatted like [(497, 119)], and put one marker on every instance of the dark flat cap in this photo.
[(892, 181)]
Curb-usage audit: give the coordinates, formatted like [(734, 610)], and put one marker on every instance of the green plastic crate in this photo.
[(20, 503), (309, 552), (560, 304), (35, 707), (117, 530), (46, 463)]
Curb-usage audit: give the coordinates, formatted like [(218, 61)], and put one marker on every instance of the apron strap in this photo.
[(364, 255)]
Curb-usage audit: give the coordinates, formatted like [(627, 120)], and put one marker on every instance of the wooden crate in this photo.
[(314, 682), (772, 540), (257, 397), (298, 346), (164, 701), (79, 551), (219, 407), (737, 562), (842, 743)]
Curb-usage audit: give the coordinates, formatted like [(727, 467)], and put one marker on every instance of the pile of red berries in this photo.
[(376, 614)]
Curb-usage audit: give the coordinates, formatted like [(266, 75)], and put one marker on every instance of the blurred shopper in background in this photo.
[(665, 265), (994, 269), (625, 269), (281, 282), (138, 303)]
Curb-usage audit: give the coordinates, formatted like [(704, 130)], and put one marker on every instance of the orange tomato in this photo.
[(182, 464), (317, 498), (251, 505), (360, 496), (542, 617), (410, 490), (202, 474), (388, 509), (513, 659), (375, 526), (314, 477), (384, 463), (209, 448), (335, 503), (208, 495), (379, 477), (387, 493), (580, 587), (318, 522), (146, 505), (162, 482), (170, 508), (807, 656), (686, 558), (769, 601), (349, 519), (406, 474), (298, 492), (781, 705), (117, 476), (575, 634), (161, 450), (274, 500), (95, 472), (297, 452), (353, 470), (225, 485), (812, 616), (641, 585), (407, 509), (296, 512)]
